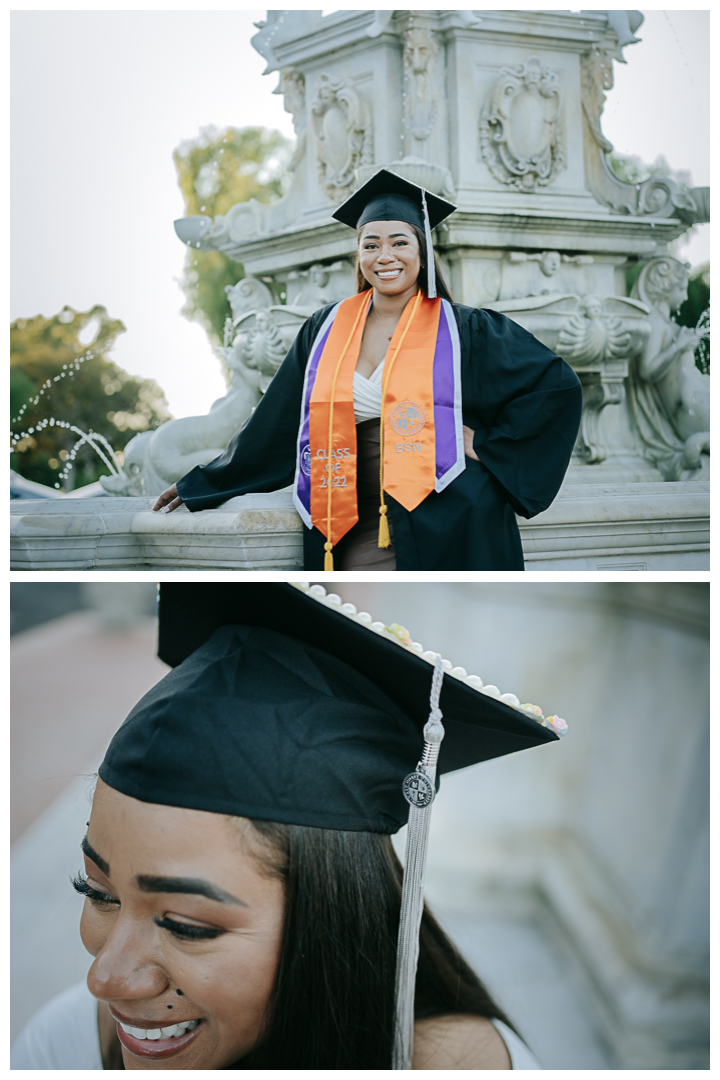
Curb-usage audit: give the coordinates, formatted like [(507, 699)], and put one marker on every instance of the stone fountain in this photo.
[(500, 111)]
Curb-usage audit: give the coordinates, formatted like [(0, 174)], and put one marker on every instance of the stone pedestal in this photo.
[(588, 527), (253, 532)]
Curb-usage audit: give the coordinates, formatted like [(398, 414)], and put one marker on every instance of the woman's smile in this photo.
[(156, 1042)]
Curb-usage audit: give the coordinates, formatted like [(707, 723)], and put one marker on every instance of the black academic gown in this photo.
[(522, 401)]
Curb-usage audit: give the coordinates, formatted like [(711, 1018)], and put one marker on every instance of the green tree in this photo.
[(215, 170), (59, 372)]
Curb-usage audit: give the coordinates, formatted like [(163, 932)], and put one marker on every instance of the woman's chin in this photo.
[(392, 286)]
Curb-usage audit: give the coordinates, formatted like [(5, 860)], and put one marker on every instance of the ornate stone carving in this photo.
[(292, 88), (520, 136), (309, 290), (592, 445), (541, 274), (260, 346), (590, 336), (262, 338), (596, 76), (598, 337), (669, 397), (598, 343), (655, 197), (249, 294), (344, 135), (421, 93)]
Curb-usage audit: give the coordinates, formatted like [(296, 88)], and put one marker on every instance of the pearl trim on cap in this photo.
[(401, 637)]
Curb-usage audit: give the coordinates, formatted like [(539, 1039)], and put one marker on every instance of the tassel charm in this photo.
[(328, 556), (419, 790), (384, 530)]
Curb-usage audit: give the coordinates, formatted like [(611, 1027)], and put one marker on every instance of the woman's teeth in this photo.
[(388, 273), (160, 1033)]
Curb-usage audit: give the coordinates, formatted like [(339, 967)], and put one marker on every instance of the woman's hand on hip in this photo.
[(169, 500), (468, 435)]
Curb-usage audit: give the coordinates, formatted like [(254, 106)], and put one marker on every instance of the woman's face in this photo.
[(389, 256), (190, 930)]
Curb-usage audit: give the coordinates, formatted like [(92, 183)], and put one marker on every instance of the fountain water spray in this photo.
[(98, 442)]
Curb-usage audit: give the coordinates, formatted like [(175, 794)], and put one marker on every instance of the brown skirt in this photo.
[(360, 549)]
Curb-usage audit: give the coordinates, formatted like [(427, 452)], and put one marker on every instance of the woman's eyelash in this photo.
[(186, 931), (80, 885), (182, 930)]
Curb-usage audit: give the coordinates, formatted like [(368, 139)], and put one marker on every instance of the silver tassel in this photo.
[(419, 790), (431, 290)]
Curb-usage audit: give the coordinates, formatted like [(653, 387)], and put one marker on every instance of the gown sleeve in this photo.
[(261, 455), (524, 404)]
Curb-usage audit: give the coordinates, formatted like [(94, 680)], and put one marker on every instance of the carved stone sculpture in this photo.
[(670, 398), (292, 88), (156, 459), (598, 337), (421, 91), (524, 273), (249, 294), (520, 137), (592, 336), (311, 289), (260, 345), (344, 135)]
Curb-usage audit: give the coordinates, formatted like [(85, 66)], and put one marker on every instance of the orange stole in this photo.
[(408, 414), (407, 420), (333, 443)]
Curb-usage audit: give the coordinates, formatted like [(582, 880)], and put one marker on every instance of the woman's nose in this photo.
[(126, 968)]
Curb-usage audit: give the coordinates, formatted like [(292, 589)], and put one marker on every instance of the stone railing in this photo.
[(657, 526)]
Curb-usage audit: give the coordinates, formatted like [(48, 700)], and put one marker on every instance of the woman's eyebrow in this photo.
[(373, 236), (196, 886), (93, 855)]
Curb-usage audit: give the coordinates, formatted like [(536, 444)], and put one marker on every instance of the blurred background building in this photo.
[(574, 877)]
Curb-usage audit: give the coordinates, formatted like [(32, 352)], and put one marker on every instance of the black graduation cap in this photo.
[(286, 705), (389, 197)]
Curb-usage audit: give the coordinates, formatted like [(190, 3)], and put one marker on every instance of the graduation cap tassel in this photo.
[(431, 290), (419, 790)]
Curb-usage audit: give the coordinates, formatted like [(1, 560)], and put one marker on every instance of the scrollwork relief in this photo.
[(520, 128), (343, 132)]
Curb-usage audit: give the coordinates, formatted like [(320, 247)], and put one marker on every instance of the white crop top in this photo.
[(367, 394)]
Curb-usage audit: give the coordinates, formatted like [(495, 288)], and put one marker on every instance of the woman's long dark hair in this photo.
[(332, 1003), (440, 284)]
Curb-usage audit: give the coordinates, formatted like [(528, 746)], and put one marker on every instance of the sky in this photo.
[(100, 99)]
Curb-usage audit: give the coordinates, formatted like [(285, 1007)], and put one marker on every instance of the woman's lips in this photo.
[(157, 1048)]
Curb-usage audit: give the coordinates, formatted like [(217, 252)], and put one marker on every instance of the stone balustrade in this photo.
[(655, 526)]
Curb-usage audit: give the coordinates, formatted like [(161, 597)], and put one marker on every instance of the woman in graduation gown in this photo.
[(477, 418), (244, 906)]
